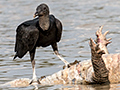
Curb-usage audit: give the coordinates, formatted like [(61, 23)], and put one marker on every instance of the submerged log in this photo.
[(102, 68)]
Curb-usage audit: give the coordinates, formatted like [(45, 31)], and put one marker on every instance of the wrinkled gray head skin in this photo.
[(42, 10)]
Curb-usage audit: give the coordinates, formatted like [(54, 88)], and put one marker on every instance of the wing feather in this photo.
[(26, 39), (59, 29)]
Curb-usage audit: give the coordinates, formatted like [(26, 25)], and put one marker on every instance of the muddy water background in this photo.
[(80, 18)]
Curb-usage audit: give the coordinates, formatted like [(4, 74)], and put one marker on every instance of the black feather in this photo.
[(30, 35)]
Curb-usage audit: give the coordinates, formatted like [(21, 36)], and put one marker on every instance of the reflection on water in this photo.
[(92, 87), (82, 87), (80, 18), (88, 87)]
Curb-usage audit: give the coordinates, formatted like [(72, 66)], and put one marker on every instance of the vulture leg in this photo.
[(34, 78), (55, 49)]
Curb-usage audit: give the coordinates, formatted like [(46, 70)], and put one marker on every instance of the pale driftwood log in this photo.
[(102, 68)]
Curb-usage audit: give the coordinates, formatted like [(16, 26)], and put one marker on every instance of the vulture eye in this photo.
[(44, 8)]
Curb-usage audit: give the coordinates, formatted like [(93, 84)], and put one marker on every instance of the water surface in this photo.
[(80, 18)]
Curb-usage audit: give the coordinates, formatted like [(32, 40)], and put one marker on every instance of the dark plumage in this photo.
[(42, 31)]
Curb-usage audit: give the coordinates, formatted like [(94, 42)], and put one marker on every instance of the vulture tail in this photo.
[(15, 56)]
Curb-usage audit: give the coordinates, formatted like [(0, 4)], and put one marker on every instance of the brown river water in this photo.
[(80, 19)]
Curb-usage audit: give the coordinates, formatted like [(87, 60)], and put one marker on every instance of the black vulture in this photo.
[(42, 31)]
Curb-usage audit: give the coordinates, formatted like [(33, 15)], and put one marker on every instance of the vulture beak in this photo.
[(36, 14)]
